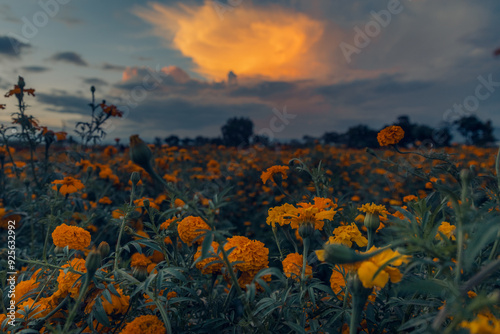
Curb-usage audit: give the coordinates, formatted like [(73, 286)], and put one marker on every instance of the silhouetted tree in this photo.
[(172, 140), (237, 131), (474, 131), (330, 137), (361, 136), (261, 140)]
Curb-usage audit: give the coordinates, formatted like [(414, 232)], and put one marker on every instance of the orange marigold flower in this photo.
[(253, 254), (292, 266), (271, 171), (391, 135), (190, 229), (36, 310), (61, 135), (410, 198), (209, 265), (23, 288), (337, 279), (66, 281), (72, 236), (139, 260), (374, 209), (105, 200), (69, 185), (447, 229), (145, 324), (111, 110), (483, 324)]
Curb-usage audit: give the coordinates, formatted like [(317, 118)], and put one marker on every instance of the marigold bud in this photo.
[(104, 249), (135, 178), (93, 262), (140, 153), (372, 221), (339, 254), (306, 230), (140, 273)]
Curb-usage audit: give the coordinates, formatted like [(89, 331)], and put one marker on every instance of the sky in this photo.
[(299, 67)]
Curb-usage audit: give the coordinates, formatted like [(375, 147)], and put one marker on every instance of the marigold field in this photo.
[(276, 239)]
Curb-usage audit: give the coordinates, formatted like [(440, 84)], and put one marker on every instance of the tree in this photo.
[(237, 131), (172, 140), (474, 131), (361, 136)]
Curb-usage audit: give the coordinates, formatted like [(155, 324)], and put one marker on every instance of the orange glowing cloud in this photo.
[(251, 41)]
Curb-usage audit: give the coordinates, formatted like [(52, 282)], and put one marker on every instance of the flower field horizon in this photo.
[(258, 238)]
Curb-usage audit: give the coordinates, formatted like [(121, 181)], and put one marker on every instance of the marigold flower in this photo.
[(482, 325), (111, 110), (118, 305), (23, 288), (189, 229), (337, 279), (66, 281), (139, 260), (69, 185), (61, 135), (145, 324), (253, 254), (387, 258), (391, 135), (348, 234), (105, 200), (72, 236), (275, 215), (447, 229), (292, 266), (410, 198), (203, 265), (271, 171), (36, 310)]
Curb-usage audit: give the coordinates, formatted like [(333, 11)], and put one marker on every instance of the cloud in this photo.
[(63, 101), (267, 41), (12, 47), (35, 69), (6, 14), (95, 82), (112, 67), (69, 57)]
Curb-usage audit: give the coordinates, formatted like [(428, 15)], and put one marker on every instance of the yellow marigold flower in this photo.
[(69, 185), (189, 229), (253, 254), (447, 229), (391, 135), (374, 209), (72, 236), (337, 280), (215, 267), (348, 234), (389, 258), (145, 324), (271, 171), (275, 215), (139, 260), (482, 325), (66, 281), (292, 266)]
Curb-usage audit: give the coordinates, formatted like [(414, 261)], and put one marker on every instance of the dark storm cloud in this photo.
[(69, 57), (35, 69), (12, 47), (62, 101), (95, 82)]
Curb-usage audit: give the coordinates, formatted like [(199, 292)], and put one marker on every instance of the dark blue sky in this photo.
[(327, 64)]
